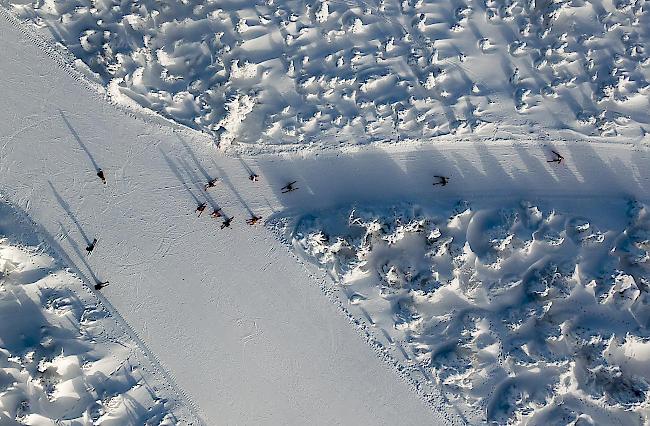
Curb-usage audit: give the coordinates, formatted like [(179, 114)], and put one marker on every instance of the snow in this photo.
[(63, 357), (354, 72), (521, 313), (241, 330), (514, 294)]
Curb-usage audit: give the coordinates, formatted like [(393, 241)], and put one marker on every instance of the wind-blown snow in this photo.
[(63, 358), (522, 313), (328, 72)]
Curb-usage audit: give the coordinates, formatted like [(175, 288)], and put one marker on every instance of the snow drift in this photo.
[(330, 72), (63, 358), (522, 313)]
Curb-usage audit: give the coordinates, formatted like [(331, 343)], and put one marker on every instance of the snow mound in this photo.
[(521, 314), (302, 72), (63, 359)]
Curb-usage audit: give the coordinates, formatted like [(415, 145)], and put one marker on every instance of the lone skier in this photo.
[(442, 181), (226, 222), (253, 220), (289, 187), (200, 209), (91, 246), (101, 285), (557, 158), (253, 177), (100, 174), (211, 183)]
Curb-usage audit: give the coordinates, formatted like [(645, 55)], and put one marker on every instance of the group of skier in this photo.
[(217, 212), (254, 219), (290, 187)]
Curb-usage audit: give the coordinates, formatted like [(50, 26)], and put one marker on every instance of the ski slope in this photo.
[(242, 329), (238, 324)]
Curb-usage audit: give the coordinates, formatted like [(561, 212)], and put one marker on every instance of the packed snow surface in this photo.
[(523, 313), (64, 359), (296, 72)]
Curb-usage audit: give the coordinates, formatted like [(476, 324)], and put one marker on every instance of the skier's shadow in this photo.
[(199, 186), (205, 176), (77, 250), (68, 211), (189, 180), (246, 167), (174, 169), (226, 181), (196, 161), (78, 139)]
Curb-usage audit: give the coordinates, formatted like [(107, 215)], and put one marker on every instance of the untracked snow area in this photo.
[(296, 72), (64, 359), (524, 313)]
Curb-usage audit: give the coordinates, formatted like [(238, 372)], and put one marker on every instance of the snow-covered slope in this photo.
[(327, 72), (237, 320), (63, 358), (239, 325)]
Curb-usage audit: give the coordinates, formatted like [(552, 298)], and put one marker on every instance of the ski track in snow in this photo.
[(153, 190)]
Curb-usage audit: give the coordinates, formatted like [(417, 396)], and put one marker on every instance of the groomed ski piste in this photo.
[(515, 293)]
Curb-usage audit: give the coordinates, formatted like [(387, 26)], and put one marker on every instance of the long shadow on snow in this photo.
[(174, 169), (371, 176), (78, 139), (32, 332), (66, 207), (330, 180)]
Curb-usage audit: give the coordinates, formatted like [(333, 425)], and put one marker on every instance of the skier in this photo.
[(200, 209), (254, 219), (100, 174), (442, 181), (211, 183), (558, 158), (216, 213), (253, 177), (91, 247), (101, 285), (289, 187), (226, 222)]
